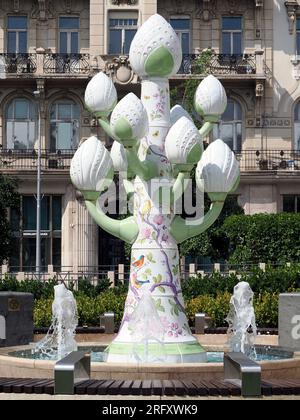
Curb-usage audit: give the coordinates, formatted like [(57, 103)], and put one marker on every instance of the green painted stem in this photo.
[(126, 229), (206, 129), (180, 186), (182, 230), (145, 170), (104, 122)]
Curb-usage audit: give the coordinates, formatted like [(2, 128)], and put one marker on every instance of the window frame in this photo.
[(232, 31), (296, 198), (57, 120), (17, 32), (121, 28), (234, 123), (27, 120), (180, 32), (69, 35), (50, 234), (296, 123)]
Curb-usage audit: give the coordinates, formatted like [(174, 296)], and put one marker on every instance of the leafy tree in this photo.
[(269, 238), (9, 198), (214, 242)]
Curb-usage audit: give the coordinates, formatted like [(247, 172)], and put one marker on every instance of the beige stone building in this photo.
[(49, 50)]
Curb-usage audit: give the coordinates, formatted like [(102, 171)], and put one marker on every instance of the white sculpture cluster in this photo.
[(154, 142)]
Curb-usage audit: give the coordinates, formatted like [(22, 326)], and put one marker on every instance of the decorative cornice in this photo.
[(292, 7), (42, 10), (207, 11)]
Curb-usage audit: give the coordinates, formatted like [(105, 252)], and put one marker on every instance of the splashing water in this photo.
[(242, 330), (60, 339), (147, 329)]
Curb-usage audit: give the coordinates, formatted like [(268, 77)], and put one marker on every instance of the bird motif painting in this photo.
[(139, 263)]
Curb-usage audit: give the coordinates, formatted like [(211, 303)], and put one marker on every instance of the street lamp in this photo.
[(37, 95)]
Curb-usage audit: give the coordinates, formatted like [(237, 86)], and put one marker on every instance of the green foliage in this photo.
[(271, 238), (265, 306), (40, 290), (273, 280), (215, 307), (9, 198), (214, 242), (89, 308), (45, 289), (266, 309), (88, 288)]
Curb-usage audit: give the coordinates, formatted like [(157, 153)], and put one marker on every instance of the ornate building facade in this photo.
[(50, 49)]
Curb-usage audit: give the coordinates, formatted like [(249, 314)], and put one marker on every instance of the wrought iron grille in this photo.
[(18, 63), (66, 64), (219, 64)]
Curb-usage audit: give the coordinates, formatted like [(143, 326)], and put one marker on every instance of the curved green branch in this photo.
[(104, 122), (146, 170), (126, 229), (180, 185), (206, 129), (182, 230)]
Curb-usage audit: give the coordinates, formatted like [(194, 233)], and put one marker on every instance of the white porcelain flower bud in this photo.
[(129, 120), (210, 99), (177, 112), (101, 95), (183, 143), (118, 156), (156, 50), (92, 167), (218, 171)]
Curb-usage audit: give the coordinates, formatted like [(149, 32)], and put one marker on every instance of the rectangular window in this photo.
[(17, 34), (182, 27), (232, 39), (23, 225), (122, 29), (69, 35), (291, 204)]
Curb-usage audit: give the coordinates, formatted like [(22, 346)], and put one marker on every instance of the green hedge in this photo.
[(273, 280), (272, 238), (217, 307), (45, 289)]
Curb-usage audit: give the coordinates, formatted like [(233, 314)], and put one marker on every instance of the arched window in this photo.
[(64, 125), (297, 127), (230, 128), (21, 116)]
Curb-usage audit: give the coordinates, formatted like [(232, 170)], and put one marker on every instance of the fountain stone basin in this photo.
[(288, 367)]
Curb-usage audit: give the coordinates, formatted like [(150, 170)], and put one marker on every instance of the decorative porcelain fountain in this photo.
[(155, 146)]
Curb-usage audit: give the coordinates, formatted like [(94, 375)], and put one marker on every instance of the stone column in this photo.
[(79, 236)]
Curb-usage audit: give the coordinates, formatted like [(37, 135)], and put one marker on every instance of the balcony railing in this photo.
[(18, 64), (270, 160), (66, 64), (18, 160), (218, 64)]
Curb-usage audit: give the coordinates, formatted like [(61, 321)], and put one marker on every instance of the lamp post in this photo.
[(37, 95)]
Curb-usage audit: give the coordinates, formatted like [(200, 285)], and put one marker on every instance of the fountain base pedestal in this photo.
[(154, 352)]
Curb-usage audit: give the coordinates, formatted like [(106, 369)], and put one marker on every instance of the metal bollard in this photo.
[(199, 323), (74, 368), (107, 321), (243, 372)]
